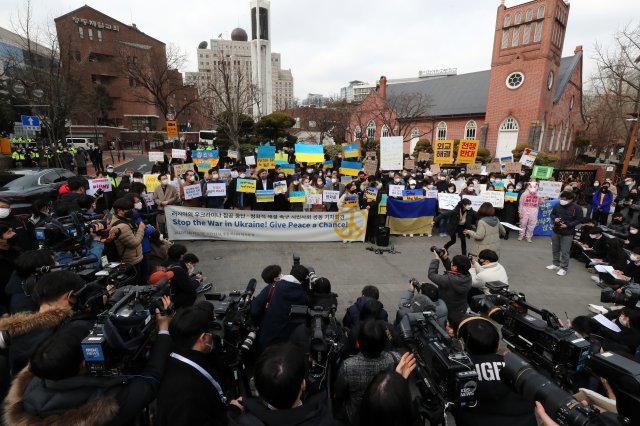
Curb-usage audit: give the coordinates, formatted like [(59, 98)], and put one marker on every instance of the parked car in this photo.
[(21, 187)]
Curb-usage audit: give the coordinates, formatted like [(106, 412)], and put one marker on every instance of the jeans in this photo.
[(561, 246)]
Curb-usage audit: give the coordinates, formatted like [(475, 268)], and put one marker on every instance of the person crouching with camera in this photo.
[(56, 387), (497, 404), (454, 284)]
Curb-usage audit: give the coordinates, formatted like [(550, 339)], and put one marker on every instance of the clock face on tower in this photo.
[(550, 80)]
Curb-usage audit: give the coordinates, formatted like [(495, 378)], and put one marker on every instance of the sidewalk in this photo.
[(106, 160)]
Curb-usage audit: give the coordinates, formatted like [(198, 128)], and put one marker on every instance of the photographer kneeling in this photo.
[(486, 269), (454, 285), (56, 387), (497, 404)]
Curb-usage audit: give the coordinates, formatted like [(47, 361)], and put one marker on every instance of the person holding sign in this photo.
[(349, 201), (296, 186), (212, 190), (264, 183), (190, 179)]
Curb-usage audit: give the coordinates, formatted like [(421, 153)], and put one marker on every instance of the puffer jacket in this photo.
[(129, 242), (481, 275), (487, 234)]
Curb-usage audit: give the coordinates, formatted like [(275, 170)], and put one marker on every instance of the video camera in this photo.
[(629, 297), (438, 250), (69, 233), (446, 373), (120, 335), (543, 341)]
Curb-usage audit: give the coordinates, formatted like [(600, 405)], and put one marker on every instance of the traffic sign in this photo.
[(30, 120)]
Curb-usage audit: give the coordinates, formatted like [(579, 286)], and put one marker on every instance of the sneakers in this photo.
[(529, 240), (411, 235), (429, 235), (520, 238), (443, 234), (595, 279), (561, 272), (553, 267)]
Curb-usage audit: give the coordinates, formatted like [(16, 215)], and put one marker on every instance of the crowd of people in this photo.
[(45, 378)]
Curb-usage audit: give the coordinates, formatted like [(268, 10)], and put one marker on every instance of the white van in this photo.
[(86, 143)]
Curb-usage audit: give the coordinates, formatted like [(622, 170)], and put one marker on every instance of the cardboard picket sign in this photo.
[(280, 187), (370, 167), (435, 168), (512, 167), (180, 169), (396, 190), (424, 156), (409, 164), (474, 168), (493, 167)]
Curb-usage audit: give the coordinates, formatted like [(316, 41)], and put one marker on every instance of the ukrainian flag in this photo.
[(351, 150), (351, 168), (411, 217), (309, 153)]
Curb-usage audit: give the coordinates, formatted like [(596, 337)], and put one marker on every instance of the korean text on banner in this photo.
[(544, 226), (330, 196), (448, 201), (443, 152), (192, 191), (351, 150), (467, 151), (95, 184), (216, 190), (396, 190), (309, 153), (193, 223), (280, 187), (156, 156), (246, 185), (266, 157), (542, 172), (265, 196), (548, 189), (391, 152), (297, 196), (351, 168), (151, 182), (179, 153)]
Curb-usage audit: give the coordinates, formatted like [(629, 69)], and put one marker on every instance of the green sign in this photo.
[(542, 172)]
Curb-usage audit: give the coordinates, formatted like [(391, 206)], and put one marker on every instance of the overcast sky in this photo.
[(328, 43)]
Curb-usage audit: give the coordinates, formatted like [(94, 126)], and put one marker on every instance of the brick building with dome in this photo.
[(530, 95)]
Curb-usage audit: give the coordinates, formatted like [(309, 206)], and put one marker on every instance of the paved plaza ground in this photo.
[(349, 267)]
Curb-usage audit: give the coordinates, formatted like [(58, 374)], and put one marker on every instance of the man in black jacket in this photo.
[(184, 284), (566, 215), (56, 387), (352, 316), (280, 380), (454, 286), (189, 393), (497, 404)]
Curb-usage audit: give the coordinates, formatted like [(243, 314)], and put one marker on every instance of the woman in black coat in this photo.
[(460, 218)]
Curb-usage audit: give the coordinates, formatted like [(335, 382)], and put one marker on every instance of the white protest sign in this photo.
[(216, 190), (192, 191), (280, 187), (391, 151), (459, 185), (148, 198), (432, 193), (179, 153), (156, 156), (314, 199), (396, 190), (102, 183), (481, 187), (330, 196), (448, 201), (548, 189), (496, 198), (476, 201), (250, 161)]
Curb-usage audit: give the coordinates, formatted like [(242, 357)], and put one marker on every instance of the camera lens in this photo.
[(248, 341)]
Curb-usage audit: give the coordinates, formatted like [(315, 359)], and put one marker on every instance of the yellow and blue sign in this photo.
[(351, 150), (351, 168), (205, 158), (309, 153)]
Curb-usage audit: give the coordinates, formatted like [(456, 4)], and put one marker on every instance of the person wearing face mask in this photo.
[(588, 193), (633, 240), (461, 218), (470, 189), (295, 186), (208, 199), (164, 195), (40, 212), (317, 187), (629, 322), (622, 189), (351, 190), (25, 238), (264, 182), (189, 394), (443, 221), (190, 178), (619, 226), (528, 207), (333, 185), (442, 183), (601, 204), (128, 242), (565, 215), (184, 283), (127, 177), (281, 201)]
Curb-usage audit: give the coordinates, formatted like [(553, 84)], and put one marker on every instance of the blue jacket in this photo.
[(275, 325), (606, 201), (352, 316)]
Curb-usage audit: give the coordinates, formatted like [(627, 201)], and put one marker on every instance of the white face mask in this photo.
[(319, 182), (234, 174), (467, 207), (242, 176), (4, 212), (309, 171), (295, 182), (192, 179), (109, 170), (137, 206), (191, 269), (138, 180), (214, 176), (633, 231), (164, 181), (564, 202), (622, 320)]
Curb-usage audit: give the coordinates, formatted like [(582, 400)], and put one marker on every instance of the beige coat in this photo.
[(487, 235), (169, 194), (129, 242)]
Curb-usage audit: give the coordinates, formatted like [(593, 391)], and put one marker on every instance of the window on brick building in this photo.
[(509, 123), (442, 131), (371, 130), (518, 18), (541, 12), (470, 130), (100, 36), (526, 34), (528, 15), (81, 32), (505, 38), (551, 135), (90, 33), (357, 134), (516, 34), (415, 133), (507, 20), (537, 35), (514, 80), (385, 131)]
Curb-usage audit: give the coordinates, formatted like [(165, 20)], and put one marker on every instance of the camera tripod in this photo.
[(377, 250)]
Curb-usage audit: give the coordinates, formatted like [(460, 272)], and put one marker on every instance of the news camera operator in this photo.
[(189, 393), (497, 404), (427, 298), (56, 387), (454, 284), (184, 283), (352, 316)]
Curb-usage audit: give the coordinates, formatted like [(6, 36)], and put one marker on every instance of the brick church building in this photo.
[(530, 95)]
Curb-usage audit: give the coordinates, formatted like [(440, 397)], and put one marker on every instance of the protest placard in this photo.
[(232, 154), (372, 154), (151, 181), (434, 168), (297, 196), (371, 193), (432, 193), (179, 153), (370, 167), (246, 185), (327, 165), (351, 150), (443, 152), (467, 151), (329, 196), (351, 168), (476, 201), (205, 159), (314, 199), (474, 168), (250, 160), (346, 179), (424, 156), (216, 190), (396, 190), (102, 183), (511, 196), (493, 167), (511, 167), (542, 172), (382, 207), (351, 201), (266, 157), (448, 201), (280, 187), (548, 189), (496, 198), (481, 187), (192, 191), (156, 156), (281, 158), (224, 173), (528, 157), (180, 169), (148, 199), (498, 186), (264, 196), (409, 164), (391, 151), (288, 169)]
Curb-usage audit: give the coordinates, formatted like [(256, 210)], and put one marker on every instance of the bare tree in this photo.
[(154, 74), (400, 113)]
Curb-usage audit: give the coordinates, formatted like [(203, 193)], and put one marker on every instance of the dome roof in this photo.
[(239, 35)]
